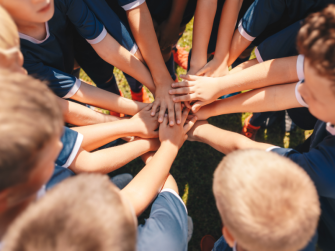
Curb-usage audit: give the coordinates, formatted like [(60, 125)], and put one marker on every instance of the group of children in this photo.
[(269, 198)]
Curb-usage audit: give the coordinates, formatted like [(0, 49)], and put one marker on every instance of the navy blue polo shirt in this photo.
[(166, 228), (52, 59)]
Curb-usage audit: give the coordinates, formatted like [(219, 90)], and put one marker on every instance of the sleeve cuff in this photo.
[(74, 89), (298, 95), (99, 38), (271, 148), (169, 190), (75, 150), (258, 56), (133, 5), (300, 67), (244, 33), (134, 49)]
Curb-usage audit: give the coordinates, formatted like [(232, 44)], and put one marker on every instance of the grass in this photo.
[(194, 166)]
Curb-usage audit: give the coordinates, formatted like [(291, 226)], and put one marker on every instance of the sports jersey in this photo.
[(266, 17), (166, 228), (52, 58)]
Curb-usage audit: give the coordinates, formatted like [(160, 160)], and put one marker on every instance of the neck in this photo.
[(35, 30), (8, 216)]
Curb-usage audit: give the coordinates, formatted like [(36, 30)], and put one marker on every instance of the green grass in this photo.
[(194, 166)]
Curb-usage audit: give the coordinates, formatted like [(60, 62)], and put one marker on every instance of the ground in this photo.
[(194, 166)]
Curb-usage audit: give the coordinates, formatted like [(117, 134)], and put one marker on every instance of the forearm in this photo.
[(97, 97), (177, 11), (225, 141), (112, 52), (147, 183), (273, 98), (202, 28), (98, 135), (142, 28), (238, 45), (228, 20), (107, 160)]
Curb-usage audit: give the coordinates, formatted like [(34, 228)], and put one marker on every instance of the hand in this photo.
[(163, 101), (192, 134), (204, 90), (145, 124), (167, 34), (213, 69), (177, 134)]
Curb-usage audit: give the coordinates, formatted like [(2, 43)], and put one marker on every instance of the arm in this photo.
[(148, 182), (109, 159), (273, 98), (207, 90), (222, 140), (141, 125), (238, 45), (202, 27), (143, 30), (218, 66)]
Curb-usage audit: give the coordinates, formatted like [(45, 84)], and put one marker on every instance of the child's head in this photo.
[(30, 128), (266, 202), (316, 40), (29, 12), (10, 55), (86, 212)]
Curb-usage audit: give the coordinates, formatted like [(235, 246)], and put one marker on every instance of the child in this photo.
[(317, 154), (272, 206)]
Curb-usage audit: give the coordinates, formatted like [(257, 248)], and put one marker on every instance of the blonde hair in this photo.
[(8, 31), (267, 202)]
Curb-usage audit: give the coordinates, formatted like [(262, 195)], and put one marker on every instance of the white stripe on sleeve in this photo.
[(99, 38), (298, 95), (74, 89), (175, 194), (75, 150), (300, 67), (133, 5), (244, 33), (258, 56)]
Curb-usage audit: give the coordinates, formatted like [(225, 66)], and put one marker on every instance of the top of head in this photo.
[(29, 118), (9, 37), (82, 213), (267, 202), (316, 40)]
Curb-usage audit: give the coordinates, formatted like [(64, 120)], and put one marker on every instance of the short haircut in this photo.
[(8, 30), (83, 213), (29, 118), (266, 201), (316, 40)]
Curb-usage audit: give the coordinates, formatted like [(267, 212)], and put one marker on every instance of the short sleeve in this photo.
[(166, 228), (130, 4), (300, 67), (298, 95), (318, 163), (71, 143)]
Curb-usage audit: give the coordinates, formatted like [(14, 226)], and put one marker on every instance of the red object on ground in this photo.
[(180, 56), (249, 130), (142, 96)]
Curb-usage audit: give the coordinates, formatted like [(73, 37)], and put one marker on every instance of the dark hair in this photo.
[(29, 118), (82, 213), (316, 40)]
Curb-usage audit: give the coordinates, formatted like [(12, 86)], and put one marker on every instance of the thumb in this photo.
[(202, 71), (196, 107)]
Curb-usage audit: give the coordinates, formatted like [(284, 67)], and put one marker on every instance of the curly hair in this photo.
[(316, 40)]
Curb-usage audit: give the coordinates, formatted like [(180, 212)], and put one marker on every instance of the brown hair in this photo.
[(8, 30), (82, 213), (316, 40), (267, 202), (29, 118)]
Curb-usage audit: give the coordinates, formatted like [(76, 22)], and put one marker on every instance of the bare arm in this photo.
[(238, 45), (109, 159)]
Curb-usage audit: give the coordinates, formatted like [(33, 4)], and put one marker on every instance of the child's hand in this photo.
[(214, 69), (204, 90), (192, 134), (178, 133), (146, 124)]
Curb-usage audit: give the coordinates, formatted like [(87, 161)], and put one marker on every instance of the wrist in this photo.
[(170, 146)]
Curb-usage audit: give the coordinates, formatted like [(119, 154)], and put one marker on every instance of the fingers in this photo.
[(188, 105), (171, 113), (181, 84), (190, 124), (161, 113), (155, 106), (165, 121), (148, 107), (185, 114), (183, 98), (196, 107), (188, 77), (202, 71), (183, 90), (178, 108)]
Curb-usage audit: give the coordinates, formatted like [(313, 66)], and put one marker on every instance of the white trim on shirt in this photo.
[(298, 95), (169, 190), (133, 5), (258, 56), (74, 89), (75, 150), (41, 192), (244, 33), (34, 40), (134, 49), (99, 38), (271, 148), (300, 67), (330, 128)]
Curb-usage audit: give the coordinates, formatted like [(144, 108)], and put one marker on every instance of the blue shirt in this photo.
[(52, 58), (166, 229)]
